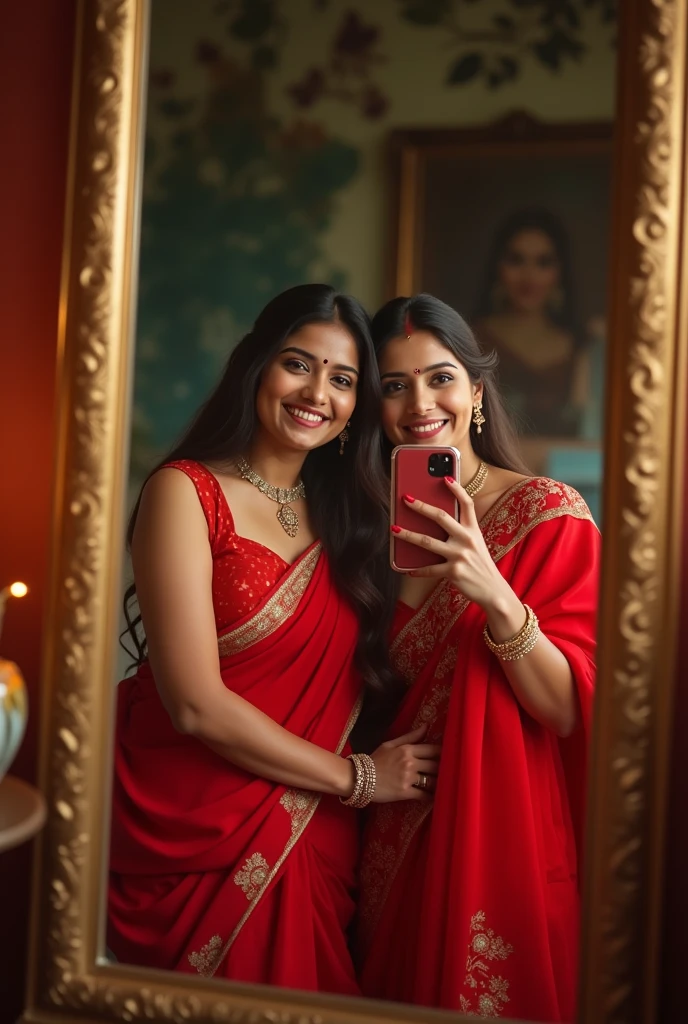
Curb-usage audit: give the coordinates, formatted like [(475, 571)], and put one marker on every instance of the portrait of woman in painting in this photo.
[(527, 314)]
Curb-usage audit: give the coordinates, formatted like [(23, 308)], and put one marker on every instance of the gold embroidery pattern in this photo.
[(276, 611), (447, 662), (422, 631), (489, 992), (384, 816), (436, 701), (297, 829), (253, 875), (378, 863), (381, 862), (207, 960), (297, 803)]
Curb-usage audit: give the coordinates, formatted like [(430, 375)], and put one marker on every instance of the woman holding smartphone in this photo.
[(471, 903), (235, 837)]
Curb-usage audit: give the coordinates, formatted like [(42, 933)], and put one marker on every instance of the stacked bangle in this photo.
[(364, 786), (519, 645)]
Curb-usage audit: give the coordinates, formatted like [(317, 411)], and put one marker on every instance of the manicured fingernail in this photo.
[(395, 529), (450, 479), (409, 497)]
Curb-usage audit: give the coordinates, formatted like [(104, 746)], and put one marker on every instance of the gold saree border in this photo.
[(208, 961), (276, 610)]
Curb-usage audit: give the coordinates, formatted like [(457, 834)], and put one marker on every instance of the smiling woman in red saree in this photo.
[(471, 903), (223, 846), (235, 838)]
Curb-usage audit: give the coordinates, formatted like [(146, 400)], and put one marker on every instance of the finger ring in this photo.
[(422, 781)]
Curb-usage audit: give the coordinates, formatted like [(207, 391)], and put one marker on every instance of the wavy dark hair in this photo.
[(347, 495), (534, 219), (497, 444)]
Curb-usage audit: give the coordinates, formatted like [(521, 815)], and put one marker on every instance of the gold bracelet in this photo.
[(519, 645), (364, 786)]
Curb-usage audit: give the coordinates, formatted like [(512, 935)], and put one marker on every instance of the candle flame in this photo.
[(18, 589)]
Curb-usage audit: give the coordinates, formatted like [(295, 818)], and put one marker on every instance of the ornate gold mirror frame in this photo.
[(644, 475)]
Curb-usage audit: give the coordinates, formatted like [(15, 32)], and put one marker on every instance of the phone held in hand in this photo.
[(420, 470)]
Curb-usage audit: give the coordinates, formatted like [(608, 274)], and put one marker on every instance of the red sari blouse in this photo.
[(471, 902), (213, 870)]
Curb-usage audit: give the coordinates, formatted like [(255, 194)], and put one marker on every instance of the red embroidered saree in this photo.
[(471, 903), (218, 872)]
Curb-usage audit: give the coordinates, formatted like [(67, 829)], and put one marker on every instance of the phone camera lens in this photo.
[(439, 464)]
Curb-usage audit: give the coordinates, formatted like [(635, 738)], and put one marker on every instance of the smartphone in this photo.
[(420, 470)]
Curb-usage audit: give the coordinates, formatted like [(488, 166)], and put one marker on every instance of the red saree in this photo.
[(218, 872), (471, 903)]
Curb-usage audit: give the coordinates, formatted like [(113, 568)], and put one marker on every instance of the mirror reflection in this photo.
[(361, 567)]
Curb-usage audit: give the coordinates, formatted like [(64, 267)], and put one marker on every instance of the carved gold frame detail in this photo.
[(69, 977)]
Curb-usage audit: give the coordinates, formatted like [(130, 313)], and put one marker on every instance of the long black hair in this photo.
[(347, 495), (564, 315), (497, 444)]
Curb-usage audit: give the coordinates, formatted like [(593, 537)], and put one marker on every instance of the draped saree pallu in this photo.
[(218, 872), (470, 902)]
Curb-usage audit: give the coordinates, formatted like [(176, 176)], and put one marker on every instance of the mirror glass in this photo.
[(457, 149)]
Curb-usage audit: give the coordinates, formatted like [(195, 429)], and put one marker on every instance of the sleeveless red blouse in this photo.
[(243, 570)]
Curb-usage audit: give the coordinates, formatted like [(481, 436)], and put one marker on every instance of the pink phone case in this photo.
[(410, 475)]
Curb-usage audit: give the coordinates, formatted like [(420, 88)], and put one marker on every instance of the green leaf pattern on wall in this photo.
[(494, 48), (239, 200), (236, 214)]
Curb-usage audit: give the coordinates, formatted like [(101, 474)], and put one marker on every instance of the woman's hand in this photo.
[(542, 680), (468, 563), (401, 764)]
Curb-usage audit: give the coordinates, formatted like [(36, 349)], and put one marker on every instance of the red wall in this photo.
[(673, 954), (36, 41)]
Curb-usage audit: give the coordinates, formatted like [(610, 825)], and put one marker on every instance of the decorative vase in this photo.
[(14, 712), (14, 704)]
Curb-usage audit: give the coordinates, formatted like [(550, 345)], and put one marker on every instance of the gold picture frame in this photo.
[(69, 976)]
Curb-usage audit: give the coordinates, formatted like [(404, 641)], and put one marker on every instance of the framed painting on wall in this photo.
[(509, 224)]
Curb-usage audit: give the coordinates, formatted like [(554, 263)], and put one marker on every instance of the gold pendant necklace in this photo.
[(476, 482), (286, 516)]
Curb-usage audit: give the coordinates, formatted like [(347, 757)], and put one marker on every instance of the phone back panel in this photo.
[(410, 476)]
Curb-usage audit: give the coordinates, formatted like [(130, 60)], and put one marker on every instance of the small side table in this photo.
[(22, 812)]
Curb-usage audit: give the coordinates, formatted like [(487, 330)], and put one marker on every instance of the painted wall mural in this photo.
[(266, 152)]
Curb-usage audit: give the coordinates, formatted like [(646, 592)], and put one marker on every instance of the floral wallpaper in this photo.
[(265, 152)]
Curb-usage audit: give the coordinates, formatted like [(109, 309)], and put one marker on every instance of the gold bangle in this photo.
[(364, 786), (519, 645)]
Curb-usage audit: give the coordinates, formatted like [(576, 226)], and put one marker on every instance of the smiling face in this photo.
[(529, 271), (434, 406), (307, 392)]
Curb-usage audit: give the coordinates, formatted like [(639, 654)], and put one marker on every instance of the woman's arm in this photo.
[(173, 572), (542, 680)]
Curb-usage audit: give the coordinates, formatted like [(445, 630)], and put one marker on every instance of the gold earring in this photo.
[(478, 418), (343, 438)]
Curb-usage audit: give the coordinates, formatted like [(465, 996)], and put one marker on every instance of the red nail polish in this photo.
[(395, 529), (450, 479), (408, 497)]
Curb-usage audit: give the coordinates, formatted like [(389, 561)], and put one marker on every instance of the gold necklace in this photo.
[(286, 516), (476, 482)]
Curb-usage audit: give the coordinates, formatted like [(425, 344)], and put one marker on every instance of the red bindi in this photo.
[(324, 360), (416, 371)]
